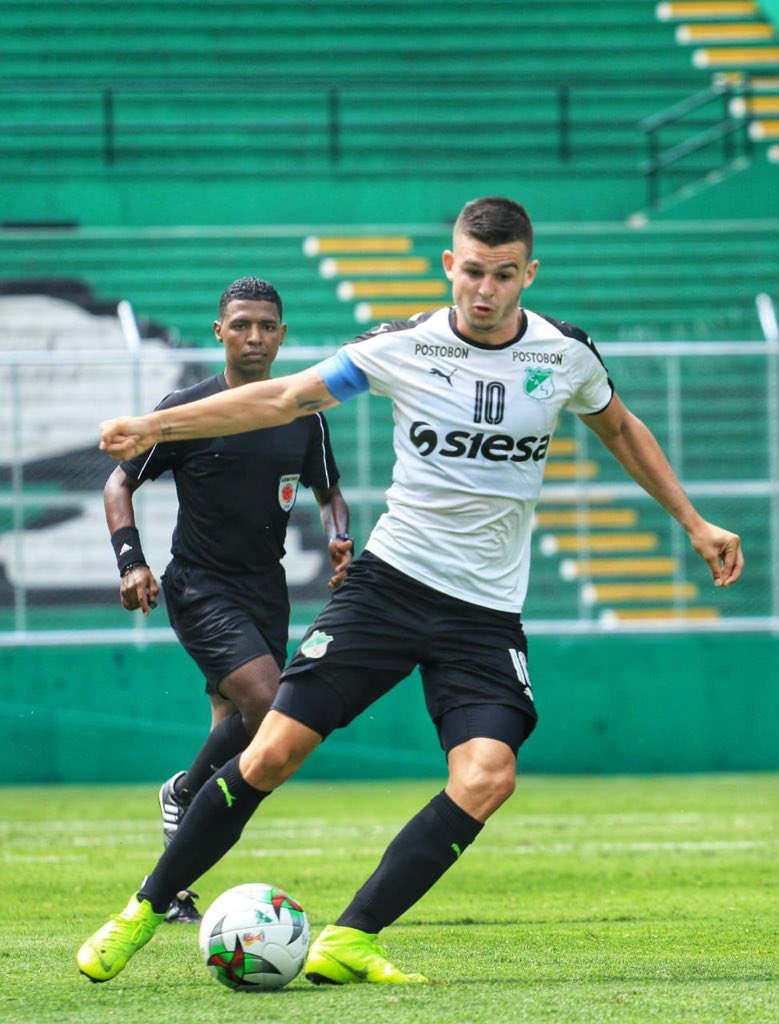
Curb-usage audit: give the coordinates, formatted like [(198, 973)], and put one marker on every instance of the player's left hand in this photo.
[(127, 436), (721, 550), (341, 553)]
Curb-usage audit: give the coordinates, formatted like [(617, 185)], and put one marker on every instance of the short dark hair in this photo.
[(249, 288), (496, 220)]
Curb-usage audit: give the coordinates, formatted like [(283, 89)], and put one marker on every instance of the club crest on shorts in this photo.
[(539, 384), (288, 489), (316, 645)]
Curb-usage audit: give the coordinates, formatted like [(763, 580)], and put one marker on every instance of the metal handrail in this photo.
[(678, 110), (103, 121), (439, 82), (725, 130), (695, 143)]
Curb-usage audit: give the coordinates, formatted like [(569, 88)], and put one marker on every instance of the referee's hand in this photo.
[(139, 589), (341, 552)]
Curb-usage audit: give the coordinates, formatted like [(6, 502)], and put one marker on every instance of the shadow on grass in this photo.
[(524, 922)]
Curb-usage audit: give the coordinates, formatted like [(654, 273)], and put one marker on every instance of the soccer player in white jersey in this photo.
[(476, 390)]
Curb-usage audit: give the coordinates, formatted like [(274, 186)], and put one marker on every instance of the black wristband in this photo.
[(126, 542), (343, 536)]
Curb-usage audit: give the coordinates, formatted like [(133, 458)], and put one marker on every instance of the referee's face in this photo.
[(251, 333), (487, 282)]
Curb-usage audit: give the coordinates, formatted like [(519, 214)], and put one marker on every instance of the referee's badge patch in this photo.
[(539, 384), (288, 489), (316, 645)]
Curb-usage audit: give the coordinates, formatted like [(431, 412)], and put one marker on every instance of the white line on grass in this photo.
[(691, 846)]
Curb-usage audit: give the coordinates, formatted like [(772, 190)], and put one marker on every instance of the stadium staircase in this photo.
[(739, 44)]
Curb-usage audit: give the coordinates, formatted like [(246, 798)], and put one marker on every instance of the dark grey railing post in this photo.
[(334, 124), (564, 122), (728, 142), (108, 126), (653, 185), (747, 143)]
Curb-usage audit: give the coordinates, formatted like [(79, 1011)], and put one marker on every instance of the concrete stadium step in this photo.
[(563, 543), (764, 130), (185, 137), (279, 102), (743, 57), (149, 61), (725, 32), (335, 16), (611, 616), (705, 9), (183, 40), (754, 106), (164, 160)]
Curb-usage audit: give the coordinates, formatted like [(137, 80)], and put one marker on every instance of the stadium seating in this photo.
[(665, 281), (331, 95), (301, 87)]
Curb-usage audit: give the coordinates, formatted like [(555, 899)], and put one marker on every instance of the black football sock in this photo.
[(225, 740), (212, 825), (415, 859)]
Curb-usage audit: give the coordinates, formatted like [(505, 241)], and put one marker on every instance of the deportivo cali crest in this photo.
[(316, 645), (539, 384)]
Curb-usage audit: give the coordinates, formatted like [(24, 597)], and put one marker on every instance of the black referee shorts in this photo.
[(224, 621), (378, 626)]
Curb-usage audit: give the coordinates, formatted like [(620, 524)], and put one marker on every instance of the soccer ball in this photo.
[(254, 937)]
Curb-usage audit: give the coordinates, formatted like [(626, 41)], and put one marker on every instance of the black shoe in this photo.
[(182, 909), (173, 808)]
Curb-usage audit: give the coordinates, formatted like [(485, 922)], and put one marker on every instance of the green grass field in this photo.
[(584, 900)]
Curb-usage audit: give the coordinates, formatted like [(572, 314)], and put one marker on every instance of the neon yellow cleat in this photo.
[(105, 953), (343, 956)]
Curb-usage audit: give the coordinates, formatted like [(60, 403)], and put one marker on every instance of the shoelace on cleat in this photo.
[(118, 936), (378, 948)]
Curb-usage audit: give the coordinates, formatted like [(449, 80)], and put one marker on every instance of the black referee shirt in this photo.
[(235, 493)]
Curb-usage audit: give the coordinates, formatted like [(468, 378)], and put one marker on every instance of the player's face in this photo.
[(486, 284), (251, 333)]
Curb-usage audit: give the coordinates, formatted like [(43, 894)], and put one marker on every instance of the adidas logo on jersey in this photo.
[(459, 444)]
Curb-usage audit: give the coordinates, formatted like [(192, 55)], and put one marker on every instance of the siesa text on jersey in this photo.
[(464, 444)]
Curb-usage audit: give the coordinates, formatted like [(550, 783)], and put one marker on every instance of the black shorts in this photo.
[(378, 626), (225, 621)]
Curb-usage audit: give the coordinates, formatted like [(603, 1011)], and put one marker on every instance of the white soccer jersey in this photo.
[(472, 430)]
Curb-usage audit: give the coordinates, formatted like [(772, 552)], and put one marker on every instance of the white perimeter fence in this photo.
[(713, 406)]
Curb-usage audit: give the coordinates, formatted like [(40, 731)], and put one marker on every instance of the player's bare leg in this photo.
[(481, 778), (251, 688), (221, 708), (279, 748)]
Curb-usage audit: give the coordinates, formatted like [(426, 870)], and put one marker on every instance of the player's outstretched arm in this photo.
[(632, 443), (267, 403)]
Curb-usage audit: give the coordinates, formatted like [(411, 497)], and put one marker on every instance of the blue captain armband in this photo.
[(342, 378)]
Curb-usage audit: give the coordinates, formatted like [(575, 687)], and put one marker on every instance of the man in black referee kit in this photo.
[(476, 390), (225, 588)]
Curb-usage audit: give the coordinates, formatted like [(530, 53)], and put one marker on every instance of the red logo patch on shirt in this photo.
[(288, 489)]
